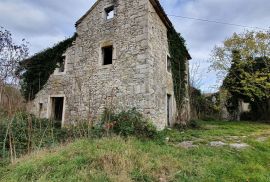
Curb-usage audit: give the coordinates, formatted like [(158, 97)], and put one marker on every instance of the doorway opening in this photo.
[(169, 110), (57, 108)]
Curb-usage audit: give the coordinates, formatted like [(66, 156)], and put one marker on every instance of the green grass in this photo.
[(118, 159)]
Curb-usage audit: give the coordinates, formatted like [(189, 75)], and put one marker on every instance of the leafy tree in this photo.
[(249, 80), (249, 44), (244, 61)]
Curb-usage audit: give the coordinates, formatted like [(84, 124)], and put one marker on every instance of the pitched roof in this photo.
[(81, 19), (155, 3)]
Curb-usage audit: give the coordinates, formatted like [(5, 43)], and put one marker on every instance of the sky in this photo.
[(45, 22)]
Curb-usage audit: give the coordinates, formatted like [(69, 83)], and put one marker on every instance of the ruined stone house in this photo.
[(120, 60)]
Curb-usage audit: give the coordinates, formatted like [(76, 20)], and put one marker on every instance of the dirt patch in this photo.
[(187, 144), (217, 144), (239, 145), (262, 139)]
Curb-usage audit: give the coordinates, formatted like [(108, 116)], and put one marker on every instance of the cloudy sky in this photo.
[(45, 22)]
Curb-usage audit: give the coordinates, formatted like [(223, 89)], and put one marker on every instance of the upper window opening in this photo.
[(109, 12), (62, 65), (107, 53), (169, 64)]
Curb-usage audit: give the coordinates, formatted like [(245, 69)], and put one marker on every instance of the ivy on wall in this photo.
[(179, 55), (35, 71)]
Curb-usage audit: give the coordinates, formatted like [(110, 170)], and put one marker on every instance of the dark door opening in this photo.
[(57, 108), (169, 110)]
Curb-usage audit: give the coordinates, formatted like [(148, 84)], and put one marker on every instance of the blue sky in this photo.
[(45, 22)]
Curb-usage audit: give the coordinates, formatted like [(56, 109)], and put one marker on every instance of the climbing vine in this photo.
[(179, 54), (35, 71)]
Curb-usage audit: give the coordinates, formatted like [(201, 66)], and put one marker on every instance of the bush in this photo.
[(128, 123), (24, 133)]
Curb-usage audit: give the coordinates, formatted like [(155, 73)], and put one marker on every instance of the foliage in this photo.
[(207, 106), (249, 80), (130, 159), (249, 44), (35, 71), (179, 56), (244, 61), (25, 133), (128, 123)]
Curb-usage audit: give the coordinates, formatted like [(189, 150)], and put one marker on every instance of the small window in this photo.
[(109, 12), (169, 64), (107, 53), (40, 108), (62, 65)]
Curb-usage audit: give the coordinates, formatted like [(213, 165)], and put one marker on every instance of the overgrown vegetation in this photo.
[(25, 133), (130, 159), (179, 56), (35, 71), (127, 123), (244, 61), (249, 81)]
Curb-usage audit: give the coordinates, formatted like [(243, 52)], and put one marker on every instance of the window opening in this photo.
[(62, 65), (107, 53), (169, 64), (109, 12)]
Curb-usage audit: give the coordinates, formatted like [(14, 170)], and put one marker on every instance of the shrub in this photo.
[(23, 133), (128, 123)]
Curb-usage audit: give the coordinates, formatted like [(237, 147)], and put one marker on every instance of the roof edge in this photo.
[(165, 19), (159, 10), (91, 9)]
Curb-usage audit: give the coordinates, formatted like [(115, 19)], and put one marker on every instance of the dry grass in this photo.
[(117, 159)]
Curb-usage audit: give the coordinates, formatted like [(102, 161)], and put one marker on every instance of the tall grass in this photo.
[(23, 133)]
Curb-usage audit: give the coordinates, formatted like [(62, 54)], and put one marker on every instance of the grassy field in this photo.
[(185, 156)]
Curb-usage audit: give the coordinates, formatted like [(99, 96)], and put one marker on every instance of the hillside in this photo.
[(217, 151)]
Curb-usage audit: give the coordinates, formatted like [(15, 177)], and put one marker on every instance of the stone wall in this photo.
[(137, 78), (161, 80)]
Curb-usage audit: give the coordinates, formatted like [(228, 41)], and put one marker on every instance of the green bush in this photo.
[(128, 123)]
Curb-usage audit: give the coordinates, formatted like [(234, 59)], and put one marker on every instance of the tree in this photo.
[(244, 61), (249, 44), (10, 56)]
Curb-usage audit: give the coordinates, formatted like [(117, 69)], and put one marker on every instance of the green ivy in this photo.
[(179, 55), (35, 71)]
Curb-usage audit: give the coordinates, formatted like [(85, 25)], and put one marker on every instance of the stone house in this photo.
[(119, 60)]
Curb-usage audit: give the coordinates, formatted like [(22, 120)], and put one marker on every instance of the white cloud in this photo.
[(202, 36)]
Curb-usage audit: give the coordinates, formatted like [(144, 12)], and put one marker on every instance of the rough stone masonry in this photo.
[(132, 36)]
